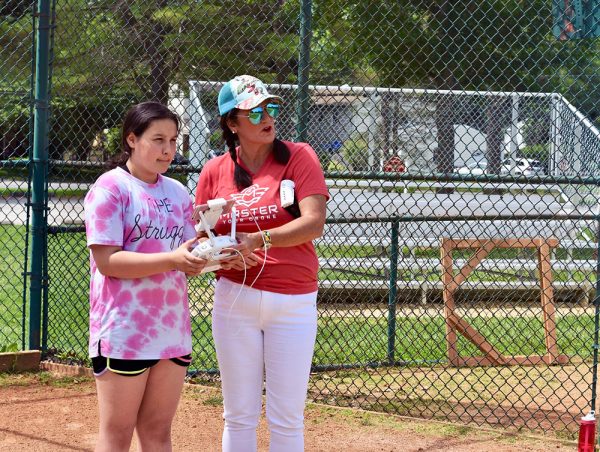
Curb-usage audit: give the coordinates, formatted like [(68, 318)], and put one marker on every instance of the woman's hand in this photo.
[(249, 241), (245, 257), (235, 262), (185, 261)]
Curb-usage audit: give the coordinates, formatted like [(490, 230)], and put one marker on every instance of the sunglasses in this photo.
[(256, 114)]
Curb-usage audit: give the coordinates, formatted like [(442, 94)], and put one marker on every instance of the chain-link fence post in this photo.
[(596, 325), (39, 173), (392, 296), (303, 71)]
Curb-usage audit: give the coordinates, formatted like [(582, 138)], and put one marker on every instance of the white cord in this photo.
[(264, 248), (241, 288), (246, 273)]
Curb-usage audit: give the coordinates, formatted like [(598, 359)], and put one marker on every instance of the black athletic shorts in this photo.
[(130, 367)]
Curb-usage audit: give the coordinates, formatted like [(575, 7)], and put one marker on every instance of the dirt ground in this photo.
[(40, 412)]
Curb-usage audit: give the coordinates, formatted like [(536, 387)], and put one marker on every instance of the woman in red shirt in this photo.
[(264, 315)]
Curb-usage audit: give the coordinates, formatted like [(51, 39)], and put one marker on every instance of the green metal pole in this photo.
[(40, 164), (596, 326), (392, 296), (303, 101)]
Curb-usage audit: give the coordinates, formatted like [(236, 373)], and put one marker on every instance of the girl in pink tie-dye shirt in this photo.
[(139, 231)]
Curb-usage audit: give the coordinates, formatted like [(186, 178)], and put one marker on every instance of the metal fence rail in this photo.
[(459, 263)]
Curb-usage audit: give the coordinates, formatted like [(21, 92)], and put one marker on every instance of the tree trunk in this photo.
[(443, 156), (496, 115), (159, 70), (387, 122)]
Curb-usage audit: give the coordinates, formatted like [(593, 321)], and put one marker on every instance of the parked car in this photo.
[(476, 168), (522, 167)]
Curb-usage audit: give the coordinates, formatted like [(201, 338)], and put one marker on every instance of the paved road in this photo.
[(357, 203), (345, 203), (61, 211)]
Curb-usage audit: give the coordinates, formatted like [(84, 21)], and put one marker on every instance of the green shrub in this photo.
[(537, 151), (75, 123), (355, 151), (14, 130), (9, 348)]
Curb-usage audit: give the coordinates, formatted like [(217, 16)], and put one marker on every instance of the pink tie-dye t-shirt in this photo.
[(141, 318)]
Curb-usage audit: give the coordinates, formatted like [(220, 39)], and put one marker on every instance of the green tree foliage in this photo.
[(140, 46), (15, 8), (108, 54), (496, 45), (473, 45)]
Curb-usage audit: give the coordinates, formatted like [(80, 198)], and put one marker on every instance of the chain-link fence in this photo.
[(460, 143), (17, 40)]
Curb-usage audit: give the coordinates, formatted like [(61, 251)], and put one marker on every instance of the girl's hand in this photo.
[(185, 262)]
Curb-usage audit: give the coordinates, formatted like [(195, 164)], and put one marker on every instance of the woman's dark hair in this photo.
[(137, 119), (241, 177)]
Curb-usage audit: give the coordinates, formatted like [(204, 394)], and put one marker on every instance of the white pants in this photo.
[(256, 331)]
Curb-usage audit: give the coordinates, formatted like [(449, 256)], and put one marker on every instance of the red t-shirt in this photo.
[(289, 270)]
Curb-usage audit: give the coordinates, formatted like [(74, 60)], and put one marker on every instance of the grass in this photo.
[(11, 285), (58, 192), (39, 378), (518, 396), (422, 339)]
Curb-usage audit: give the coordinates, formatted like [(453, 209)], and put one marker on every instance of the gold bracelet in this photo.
[(267, 243)]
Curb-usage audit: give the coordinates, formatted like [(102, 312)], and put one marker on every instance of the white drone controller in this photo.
[(215, 248)]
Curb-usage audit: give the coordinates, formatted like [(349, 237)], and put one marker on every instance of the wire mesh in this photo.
[(16, 59), (436, 122)]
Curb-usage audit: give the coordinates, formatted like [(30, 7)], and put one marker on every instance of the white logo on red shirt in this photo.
[(250, 195)]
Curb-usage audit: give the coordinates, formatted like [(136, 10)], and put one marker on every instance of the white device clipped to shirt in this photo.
[(286, 192), (214, 249)]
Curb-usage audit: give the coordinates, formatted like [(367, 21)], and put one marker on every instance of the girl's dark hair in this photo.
[(241, 177), (137, 119)]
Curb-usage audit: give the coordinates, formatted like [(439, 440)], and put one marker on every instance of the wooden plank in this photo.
[(473, 262), (551, 242), (474, 361), (455, 322), (547, 300), (535, 360), (476, 339), (20, 361), (448, 296)]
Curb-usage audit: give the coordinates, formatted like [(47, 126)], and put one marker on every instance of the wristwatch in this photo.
[(266, 236)]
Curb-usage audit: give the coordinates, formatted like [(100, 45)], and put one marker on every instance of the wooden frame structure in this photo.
[(456, 324)]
